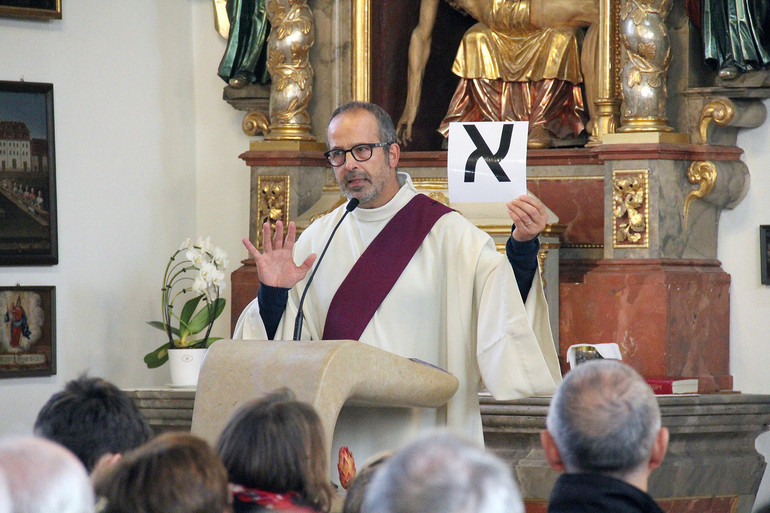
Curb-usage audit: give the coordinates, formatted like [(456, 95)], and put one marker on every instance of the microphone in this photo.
[(351, 206)]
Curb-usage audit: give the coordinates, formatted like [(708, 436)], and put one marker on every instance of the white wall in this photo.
[(739, 254), (146, 154), (749, 300)]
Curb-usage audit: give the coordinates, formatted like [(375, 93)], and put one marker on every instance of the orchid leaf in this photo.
[(158, 357), (162, 326), (199, 344), (211, 340), (189, 309), (205, 317)]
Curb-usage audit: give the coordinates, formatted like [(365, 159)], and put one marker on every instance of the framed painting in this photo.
[(28, 331), (41, 9), (28, 234), (764, 252)]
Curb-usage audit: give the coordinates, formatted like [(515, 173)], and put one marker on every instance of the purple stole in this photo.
[(385, 259)]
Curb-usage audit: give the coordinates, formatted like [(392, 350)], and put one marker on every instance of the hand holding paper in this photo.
[(529, 215)]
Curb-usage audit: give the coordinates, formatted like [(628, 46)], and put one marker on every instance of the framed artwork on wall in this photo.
[(28, 234), (41, 9), (764, 252), (28, 331)]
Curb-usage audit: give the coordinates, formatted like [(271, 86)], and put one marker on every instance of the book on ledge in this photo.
[(673, 385)]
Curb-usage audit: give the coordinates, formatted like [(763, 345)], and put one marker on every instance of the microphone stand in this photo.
[(351, 206)]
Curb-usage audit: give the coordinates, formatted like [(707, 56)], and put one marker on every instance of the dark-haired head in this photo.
[(92, 417)]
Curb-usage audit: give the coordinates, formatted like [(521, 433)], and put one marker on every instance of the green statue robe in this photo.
[(245, 58), (736, 33)]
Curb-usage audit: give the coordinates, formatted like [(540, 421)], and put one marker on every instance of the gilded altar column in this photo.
[(292, 34), (647, 56), (607, 104)]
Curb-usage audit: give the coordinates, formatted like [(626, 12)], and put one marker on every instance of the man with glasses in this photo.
[(408, 275)]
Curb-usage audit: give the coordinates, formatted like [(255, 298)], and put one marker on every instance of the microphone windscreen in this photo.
[(352, 204)]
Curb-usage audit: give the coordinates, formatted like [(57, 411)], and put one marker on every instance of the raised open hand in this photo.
[(275, 265)]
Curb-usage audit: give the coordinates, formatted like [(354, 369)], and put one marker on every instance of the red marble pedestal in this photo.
[(669, 317), (245, 284)]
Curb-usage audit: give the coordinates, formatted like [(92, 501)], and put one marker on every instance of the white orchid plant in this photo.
[(199, 271)]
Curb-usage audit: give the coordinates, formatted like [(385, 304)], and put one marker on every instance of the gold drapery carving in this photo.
[(221, 22), (630, 193), (703, 173), (609, 95)]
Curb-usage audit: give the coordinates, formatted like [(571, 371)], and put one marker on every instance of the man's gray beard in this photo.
[(363, 199)]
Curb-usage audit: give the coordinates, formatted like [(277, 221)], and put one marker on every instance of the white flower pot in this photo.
[(185, 366)]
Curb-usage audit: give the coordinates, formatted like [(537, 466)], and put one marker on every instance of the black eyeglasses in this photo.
[(361, 152)]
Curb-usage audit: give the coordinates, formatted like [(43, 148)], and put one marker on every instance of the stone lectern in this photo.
[(326, 374)]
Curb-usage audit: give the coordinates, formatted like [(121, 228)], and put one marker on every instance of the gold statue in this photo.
[(520, 62)]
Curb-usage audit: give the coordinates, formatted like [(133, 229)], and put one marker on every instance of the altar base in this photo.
[(669, 317)]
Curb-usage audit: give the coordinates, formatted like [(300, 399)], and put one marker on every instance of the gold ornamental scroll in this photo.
[(630, 208), (704, 174), (272, 202)]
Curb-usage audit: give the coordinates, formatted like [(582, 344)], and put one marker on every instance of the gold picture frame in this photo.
[(27, 331), (35, 9)]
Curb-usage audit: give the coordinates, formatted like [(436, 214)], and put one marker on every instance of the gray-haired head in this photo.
[(604, 418), (6, 506), (384, 121), (443, 473), (44, 477)]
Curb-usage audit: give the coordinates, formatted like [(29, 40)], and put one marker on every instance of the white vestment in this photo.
[(456, 305)]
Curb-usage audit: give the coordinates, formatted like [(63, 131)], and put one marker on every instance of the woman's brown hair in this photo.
[(172, 473), (276, 444)]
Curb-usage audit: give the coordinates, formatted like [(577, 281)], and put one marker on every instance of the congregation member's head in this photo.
[(43, 477), (92, 418), (357, 488), (604, 420), (443, 473), (273, 450), (6, 506), (172, 473), (363, 153)]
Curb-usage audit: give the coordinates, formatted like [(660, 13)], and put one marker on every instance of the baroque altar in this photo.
[(634, 249)]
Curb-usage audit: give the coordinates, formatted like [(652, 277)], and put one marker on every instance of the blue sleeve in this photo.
[(272, 302), (523, 259)]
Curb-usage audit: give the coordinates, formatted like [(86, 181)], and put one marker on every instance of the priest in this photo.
[(408, 275)]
